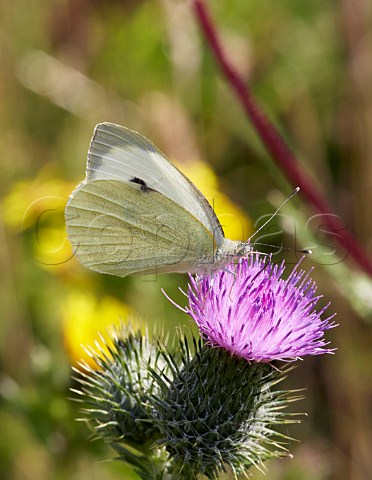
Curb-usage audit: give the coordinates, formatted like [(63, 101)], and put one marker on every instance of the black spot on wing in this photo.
[(143, 185)]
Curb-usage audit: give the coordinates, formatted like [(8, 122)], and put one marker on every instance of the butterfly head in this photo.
[(243, 249), (232, 249)]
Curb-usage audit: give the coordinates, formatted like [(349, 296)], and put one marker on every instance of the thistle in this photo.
[(253, 313), (196, 411), (114, 396), (217, 411)]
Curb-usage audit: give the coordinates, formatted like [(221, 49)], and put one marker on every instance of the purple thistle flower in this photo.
[(255, 314)]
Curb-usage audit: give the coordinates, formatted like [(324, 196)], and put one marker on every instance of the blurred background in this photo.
[(69, 64)]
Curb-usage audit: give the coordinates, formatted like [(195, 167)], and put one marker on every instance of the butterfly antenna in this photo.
[(295, 191), (306, 251)]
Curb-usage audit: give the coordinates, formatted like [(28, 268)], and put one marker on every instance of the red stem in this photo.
[(275, 144)]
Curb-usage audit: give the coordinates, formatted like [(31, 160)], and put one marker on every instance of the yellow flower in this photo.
[(37, 207), (85, 320)]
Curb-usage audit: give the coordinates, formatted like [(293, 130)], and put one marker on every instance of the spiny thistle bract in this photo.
[(188, 413), (218, 410), (115, 396)]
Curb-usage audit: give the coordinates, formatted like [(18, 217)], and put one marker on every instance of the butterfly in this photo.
[(136, 213)]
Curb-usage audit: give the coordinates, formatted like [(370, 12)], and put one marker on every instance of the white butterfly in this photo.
[(135, 212)]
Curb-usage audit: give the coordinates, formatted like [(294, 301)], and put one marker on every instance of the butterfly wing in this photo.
[(117, 153), (121, 228)]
